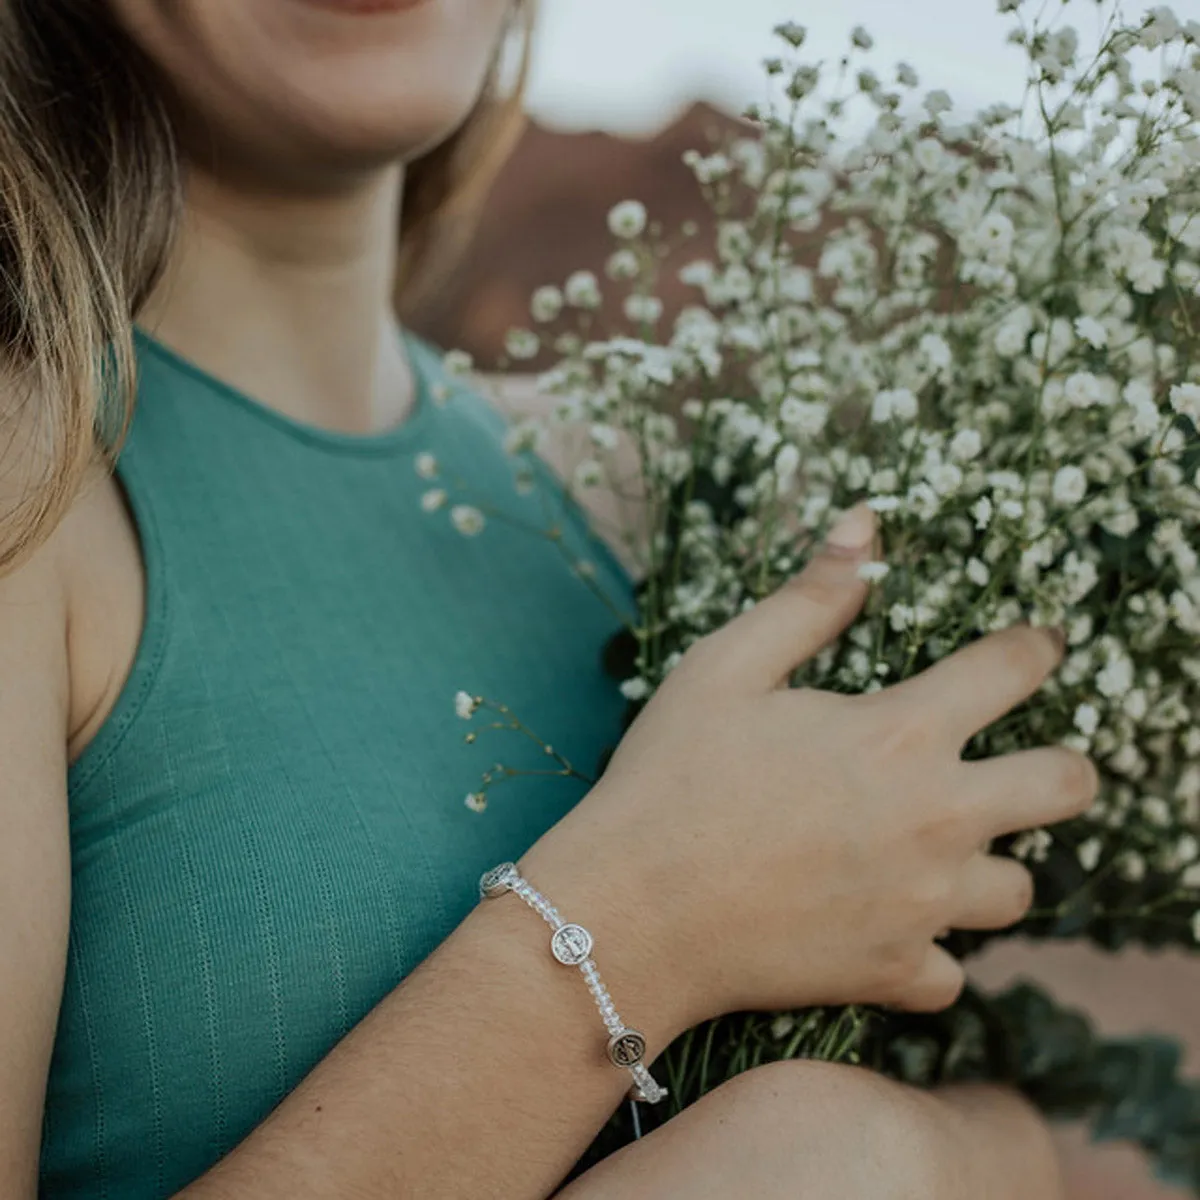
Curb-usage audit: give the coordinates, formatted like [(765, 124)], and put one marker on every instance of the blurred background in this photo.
[(619, 90)]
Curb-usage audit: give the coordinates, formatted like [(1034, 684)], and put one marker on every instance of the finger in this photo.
[(937, 985), (762, 647), (971, 688), (993, 894), (1031, 788)]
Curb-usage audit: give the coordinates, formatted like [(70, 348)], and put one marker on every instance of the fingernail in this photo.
[(853, 531)]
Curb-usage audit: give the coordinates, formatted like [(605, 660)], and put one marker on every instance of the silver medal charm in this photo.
[(571, 944), (498, 880)]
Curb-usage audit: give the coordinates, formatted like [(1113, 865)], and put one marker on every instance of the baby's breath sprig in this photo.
[(466, 706)]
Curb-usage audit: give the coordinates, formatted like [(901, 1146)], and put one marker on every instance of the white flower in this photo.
[(1083, 390), (1079, 629), (787, 463), (1131, 866), (966, 445), (792, 33), (465, 705), (1185, 399), (1087, 719), (522, 343), (1033, 845), (604, 436), (1161, 26), (627, 219), (1147, 275), (995, 235), (1088, 853), (873, 572), (1196, 925), (582, 290), (433, 499), (696, 274), (1140, 397), (467, 519), (928, 155), (899, 404), (1116, 678), (806, 417), (1070, 486), (1091, 331), (476, 801), (1080, 576), (643, 309), (1013, 333), (546, 304), (635, 689), (782, 1025), (936, 350), (981, 510), (457, 362), (938, 101), (884, 504), (977, 572), (1156, 810), (1191, 878), (945, 478), (623, 264), (426, 465)]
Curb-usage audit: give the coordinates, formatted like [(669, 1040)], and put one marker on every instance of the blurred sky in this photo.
[(628, 65)]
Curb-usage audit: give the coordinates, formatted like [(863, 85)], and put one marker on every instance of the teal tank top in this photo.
[(269, 832)]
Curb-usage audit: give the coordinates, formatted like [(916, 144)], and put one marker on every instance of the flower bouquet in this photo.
[(998, 345)]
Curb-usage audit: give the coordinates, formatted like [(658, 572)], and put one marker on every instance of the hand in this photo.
[(781, 847)]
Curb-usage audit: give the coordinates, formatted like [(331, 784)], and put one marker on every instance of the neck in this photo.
[(290, 299)]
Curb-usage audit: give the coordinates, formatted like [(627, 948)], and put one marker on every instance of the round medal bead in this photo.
[(626, 1048), (498, 880), (571, 945)]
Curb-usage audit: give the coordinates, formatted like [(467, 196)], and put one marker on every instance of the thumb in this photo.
[(763, 646)]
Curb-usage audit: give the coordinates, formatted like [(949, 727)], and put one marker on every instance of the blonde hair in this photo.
[(90, 197)]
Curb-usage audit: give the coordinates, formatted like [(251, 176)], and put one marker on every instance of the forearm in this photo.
[(485, 1065)]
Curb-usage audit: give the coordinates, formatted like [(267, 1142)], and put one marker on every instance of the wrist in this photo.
[(590, 883)]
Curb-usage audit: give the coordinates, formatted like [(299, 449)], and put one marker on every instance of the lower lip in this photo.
[(366, 8)]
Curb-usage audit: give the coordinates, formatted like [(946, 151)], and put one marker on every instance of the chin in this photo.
[(305, 87)]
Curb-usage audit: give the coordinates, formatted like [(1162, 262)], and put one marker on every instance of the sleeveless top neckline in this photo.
[(393, 439)]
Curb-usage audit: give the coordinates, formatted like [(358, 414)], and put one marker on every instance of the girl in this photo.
[(242, 951)]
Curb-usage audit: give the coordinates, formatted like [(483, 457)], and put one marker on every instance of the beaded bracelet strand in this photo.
[(571, 945)]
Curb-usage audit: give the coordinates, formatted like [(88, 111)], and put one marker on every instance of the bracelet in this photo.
[(571, 945)]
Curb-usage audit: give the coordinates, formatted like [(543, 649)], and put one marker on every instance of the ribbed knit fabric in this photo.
[(269, 832)]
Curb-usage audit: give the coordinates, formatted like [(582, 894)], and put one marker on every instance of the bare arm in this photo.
[(35, 864), (817, 1131)]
